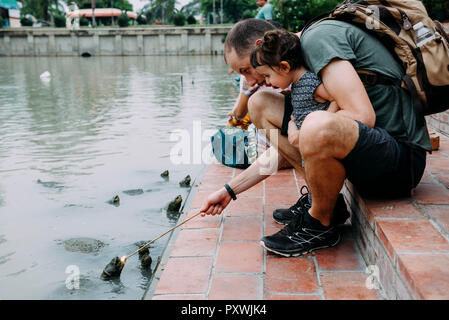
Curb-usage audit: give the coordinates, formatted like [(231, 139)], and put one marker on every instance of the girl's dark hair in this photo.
[(276, 46)]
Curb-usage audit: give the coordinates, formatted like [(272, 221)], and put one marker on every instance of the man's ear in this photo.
[(284, 66), (258, 41)]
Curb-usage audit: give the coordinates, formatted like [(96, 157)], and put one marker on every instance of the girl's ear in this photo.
[(258, 41), (284, 66)]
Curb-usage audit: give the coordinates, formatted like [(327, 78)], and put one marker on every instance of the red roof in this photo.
[(101, 12)]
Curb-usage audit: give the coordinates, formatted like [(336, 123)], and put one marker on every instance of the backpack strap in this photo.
[(417, 103), (371, 78), (314, 20)]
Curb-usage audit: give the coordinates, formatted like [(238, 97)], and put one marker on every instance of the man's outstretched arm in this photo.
[(267, 164)]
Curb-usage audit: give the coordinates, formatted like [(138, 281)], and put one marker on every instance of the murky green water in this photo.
[(98, 127)]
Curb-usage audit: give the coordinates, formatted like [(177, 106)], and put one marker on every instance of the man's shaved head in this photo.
[(243, 35)]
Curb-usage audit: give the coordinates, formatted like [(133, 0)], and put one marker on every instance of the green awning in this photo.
[(9, 4)]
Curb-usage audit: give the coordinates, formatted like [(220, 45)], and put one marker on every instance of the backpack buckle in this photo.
[(352, 7)]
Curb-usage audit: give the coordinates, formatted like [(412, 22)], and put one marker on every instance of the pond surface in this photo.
[(68, 144)]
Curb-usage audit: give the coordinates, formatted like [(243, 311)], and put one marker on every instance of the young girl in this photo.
[(278, 58)]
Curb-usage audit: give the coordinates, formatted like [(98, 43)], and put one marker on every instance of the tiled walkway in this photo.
[(219, 257)]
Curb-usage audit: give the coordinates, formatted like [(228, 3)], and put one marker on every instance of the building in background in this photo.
[(10, 11)]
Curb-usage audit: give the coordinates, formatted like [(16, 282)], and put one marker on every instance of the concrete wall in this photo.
[(113, 41), (439, 122)]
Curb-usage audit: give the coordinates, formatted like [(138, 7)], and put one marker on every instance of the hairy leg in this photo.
[(324, 139), (266, 110)]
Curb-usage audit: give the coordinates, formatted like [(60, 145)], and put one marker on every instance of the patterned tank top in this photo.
[(303, 101)]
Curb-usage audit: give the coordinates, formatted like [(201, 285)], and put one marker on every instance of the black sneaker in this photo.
[(302, 235), (284, 216)]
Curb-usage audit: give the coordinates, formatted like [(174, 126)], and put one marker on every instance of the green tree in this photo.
[(40, 9), (192, 8), (191, 19), (437, 9), (119, 4), (123, 20), (160, 10), (179, 19), (141, 20), (293, 14), (59, 21), (232, 9), (26, 22)]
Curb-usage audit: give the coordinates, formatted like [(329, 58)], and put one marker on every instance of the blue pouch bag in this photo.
[(234, 147)]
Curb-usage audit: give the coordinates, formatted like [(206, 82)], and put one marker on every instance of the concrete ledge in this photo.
[(113, 41)]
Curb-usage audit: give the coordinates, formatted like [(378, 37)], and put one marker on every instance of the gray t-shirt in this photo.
[(303, 101), (330, 39)]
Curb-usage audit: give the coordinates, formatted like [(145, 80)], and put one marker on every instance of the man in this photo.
[(371, 140), (266, 10)]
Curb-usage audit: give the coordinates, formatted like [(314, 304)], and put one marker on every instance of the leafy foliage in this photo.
[(59, 21), (437, 9), (141, 20), (191, 19), (179, 19), (40, 9), (123, 20), (119, 4), (192, 8), (293, 14), (232, 9), (160, 11), (84, 22), (26, 22), (2, 22), (249, 14)]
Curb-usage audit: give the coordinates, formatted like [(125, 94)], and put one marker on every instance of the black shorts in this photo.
[(288, 110), (379, 165)]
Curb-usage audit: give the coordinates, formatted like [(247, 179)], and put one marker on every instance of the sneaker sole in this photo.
[(298, 254), (281, 223)]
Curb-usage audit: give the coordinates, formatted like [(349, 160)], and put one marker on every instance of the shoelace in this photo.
[(304, 194), (294, 224)]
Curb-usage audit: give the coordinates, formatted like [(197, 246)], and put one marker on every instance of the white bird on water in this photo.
[(45, 76)]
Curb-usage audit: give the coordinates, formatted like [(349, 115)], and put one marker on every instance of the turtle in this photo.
[(185, 182), (50, 184), (143, 251), (113, 269), (83, 245), (114, 201), (133, 192), (145, 260), (165, 174), (175, 205)]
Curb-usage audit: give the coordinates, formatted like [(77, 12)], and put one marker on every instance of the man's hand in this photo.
[(231, 115), (216, 202), (293, 132)]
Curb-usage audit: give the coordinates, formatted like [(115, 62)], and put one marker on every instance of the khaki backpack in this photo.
[(392, 21)]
